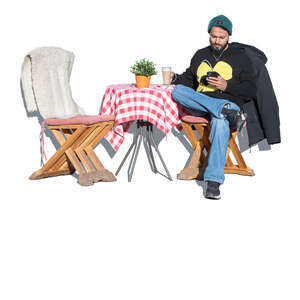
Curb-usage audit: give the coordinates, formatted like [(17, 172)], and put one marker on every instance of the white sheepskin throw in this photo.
[(45, 80)]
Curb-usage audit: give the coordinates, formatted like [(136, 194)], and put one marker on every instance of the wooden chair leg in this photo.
[(84, 150), (84, 159), (53, 166), (76, 153), (199, 158), (192, 170), (240, 168), (96, 133), (63, 161), (99, 131), (104, 174), (61, 138), (94, 158), (229, 162), (75, 161)]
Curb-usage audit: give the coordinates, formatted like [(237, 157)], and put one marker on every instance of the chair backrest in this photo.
[(45, 80)]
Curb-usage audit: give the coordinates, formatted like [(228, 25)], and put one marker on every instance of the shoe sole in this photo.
[(212, 197)]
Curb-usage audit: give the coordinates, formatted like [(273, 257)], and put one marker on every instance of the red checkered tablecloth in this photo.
[(128, 103)]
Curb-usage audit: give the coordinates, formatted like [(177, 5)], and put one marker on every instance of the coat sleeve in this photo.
[(243, 85), (188, 77)]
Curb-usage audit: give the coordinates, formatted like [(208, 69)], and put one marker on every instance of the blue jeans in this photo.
[(200, 104)]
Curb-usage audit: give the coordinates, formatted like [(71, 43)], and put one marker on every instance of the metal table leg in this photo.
[(144, 132), (159, 154), (134, 157), (149, 153), (129, 150)]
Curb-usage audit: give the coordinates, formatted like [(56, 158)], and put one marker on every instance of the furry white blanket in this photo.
[(45, 81)]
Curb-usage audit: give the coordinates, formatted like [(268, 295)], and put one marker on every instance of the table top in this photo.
[(128, 103)]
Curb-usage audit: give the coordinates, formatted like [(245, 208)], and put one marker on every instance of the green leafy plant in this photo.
[(143, 67)]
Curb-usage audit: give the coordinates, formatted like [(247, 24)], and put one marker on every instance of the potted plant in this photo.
[(143, 70)]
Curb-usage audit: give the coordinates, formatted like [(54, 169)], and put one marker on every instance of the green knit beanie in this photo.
[(220, 21)]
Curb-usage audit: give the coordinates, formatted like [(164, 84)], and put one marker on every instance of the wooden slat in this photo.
[(229, 162), (238, 170), (190, 134), (194, 162), (84, 159), (236, 153), (105, 130), (39, 175), (75, 162), (200, 130), (100, 130), (94, 132), (84, 131), (94, 158), (59, 155), (59, 136)]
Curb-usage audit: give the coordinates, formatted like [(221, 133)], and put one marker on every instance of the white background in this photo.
[(152, 238)]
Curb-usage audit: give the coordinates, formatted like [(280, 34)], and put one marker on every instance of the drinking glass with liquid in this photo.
[(167, 75)]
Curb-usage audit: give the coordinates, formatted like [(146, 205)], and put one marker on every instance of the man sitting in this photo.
[(216, 84)]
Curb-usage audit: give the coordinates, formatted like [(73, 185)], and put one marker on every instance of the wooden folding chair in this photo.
[(77, 137), (45, 83), (201, 146)]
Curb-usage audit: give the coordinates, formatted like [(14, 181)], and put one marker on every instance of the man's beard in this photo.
[(216, 51)]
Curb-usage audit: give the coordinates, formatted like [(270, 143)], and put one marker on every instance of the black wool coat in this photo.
[(263, 111)]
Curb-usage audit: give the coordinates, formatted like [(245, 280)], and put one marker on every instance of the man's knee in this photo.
[(234, 106), (176, 93)]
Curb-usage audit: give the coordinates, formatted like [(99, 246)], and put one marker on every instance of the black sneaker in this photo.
[(237, 119), (212, 190)]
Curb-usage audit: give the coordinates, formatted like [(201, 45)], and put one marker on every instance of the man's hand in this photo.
[(171, 77), (219, 82)]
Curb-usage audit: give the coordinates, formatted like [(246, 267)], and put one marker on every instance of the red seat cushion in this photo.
[(193, 119), (80, 119)]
